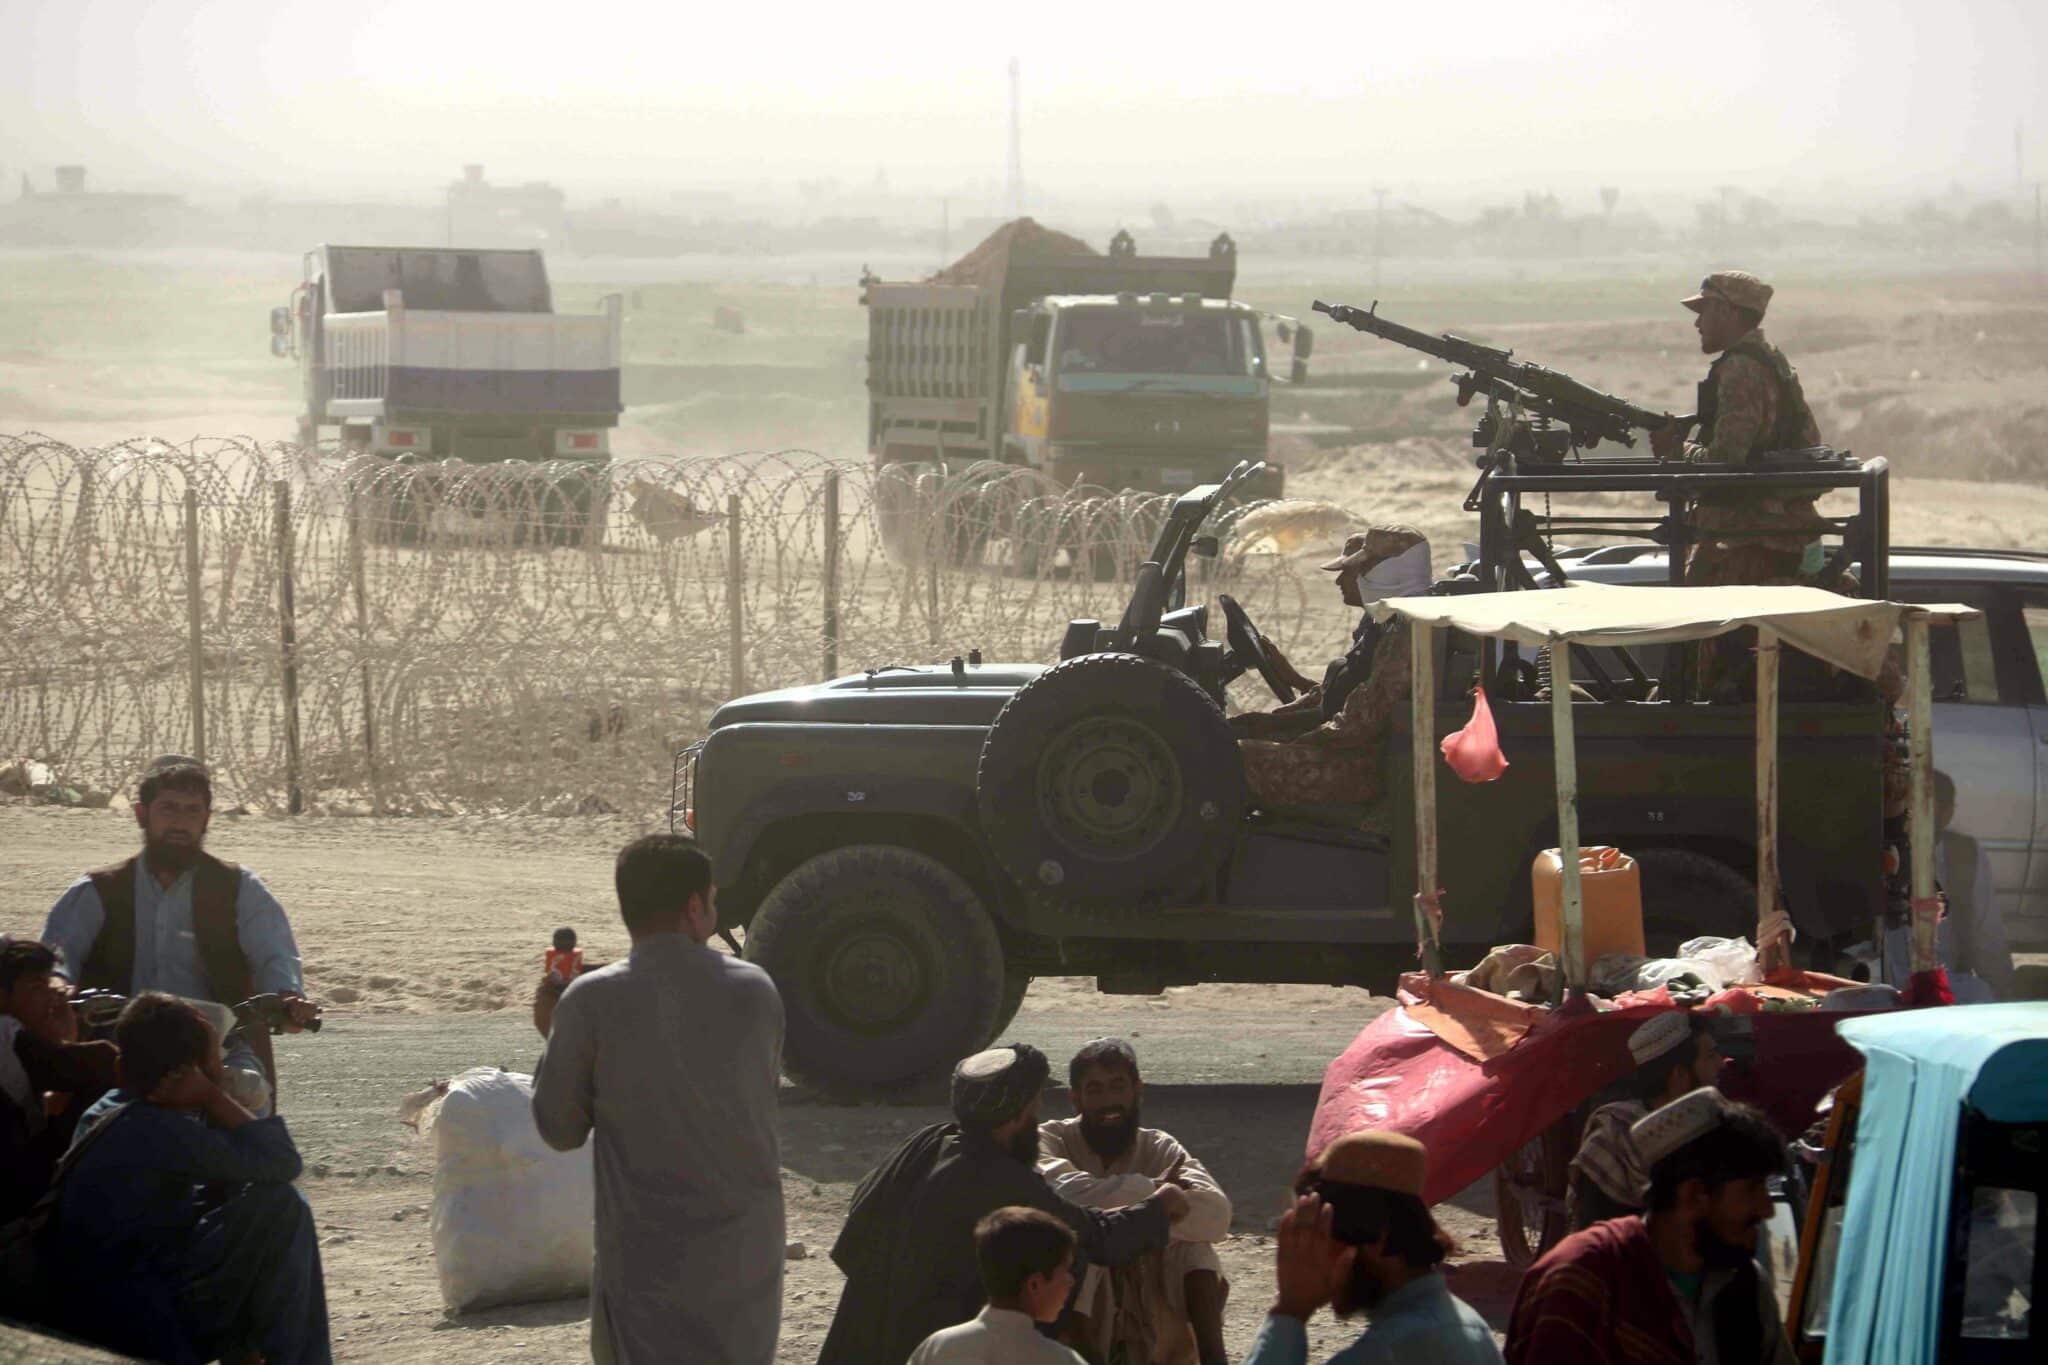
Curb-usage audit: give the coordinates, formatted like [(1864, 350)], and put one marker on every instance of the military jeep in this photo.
[(906, 847)]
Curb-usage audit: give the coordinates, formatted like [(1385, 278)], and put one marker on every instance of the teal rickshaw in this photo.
[(1923, 1236)]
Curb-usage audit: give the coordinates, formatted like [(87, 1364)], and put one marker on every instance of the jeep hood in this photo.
[(927, 694)]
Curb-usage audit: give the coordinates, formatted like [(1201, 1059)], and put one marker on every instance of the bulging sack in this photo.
[(512, 1216)]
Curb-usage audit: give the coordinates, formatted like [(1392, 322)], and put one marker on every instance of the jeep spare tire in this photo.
[(1110, 780), (888, 966)]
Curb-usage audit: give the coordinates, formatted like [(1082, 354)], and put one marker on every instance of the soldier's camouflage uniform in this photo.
[(1338, 762), (1751, 402)]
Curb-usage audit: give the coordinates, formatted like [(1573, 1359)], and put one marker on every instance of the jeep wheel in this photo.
[(1110, 779), (889, 968), (1687, 895)]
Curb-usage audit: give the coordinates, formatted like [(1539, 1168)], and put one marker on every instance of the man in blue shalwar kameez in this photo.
[(177, 1234)]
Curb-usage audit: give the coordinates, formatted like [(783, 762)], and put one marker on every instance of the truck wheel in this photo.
[(1687, 895), (1015, 984), (889, 968), (1110, 779)]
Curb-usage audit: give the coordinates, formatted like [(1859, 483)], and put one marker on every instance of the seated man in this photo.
[(1338, 728), (160, 1270), (1026, 1259), (1674, 1055), (1167, 1305), (47, 1077)]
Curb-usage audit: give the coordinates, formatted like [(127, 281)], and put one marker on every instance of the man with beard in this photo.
[(176, 919), (908, 1245), (1679, 1285), (1166, 1307), (1324, 747), (1360, 1239), (1675, 1055)]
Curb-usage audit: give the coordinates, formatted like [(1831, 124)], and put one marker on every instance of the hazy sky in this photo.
[(603, 96)]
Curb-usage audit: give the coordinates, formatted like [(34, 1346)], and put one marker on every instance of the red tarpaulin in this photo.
[(1472, 1114)]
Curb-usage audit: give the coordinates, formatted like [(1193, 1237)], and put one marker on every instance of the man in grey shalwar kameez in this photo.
[(672, 1058)]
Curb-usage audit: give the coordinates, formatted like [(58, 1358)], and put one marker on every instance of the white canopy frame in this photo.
[(1849, 633)]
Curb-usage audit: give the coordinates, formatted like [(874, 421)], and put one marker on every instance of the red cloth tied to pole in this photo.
[(1474, 751)]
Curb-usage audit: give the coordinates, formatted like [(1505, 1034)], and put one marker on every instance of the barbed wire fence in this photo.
[(348, 634)]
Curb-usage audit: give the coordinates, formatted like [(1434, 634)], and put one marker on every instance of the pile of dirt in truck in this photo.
[(1021, 238)]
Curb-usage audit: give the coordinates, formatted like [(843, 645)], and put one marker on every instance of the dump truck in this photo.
[(434, 353), (1115, 370)]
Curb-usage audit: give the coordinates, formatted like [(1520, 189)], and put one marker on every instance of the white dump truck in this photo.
[(434, 353)]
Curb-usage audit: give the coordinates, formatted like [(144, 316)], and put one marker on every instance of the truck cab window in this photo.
[(2037, 637)]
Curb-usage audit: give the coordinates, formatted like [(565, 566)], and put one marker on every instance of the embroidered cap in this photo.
[(994, 1087), (1660, 1035), (1685, 1119)]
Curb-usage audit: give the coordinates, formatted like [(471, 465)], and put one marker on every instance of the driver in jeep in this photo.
[(1323, 748)]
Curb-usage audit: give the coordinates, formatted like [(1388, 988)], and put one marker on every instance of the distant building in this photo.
[(72, 215), (483, 214)]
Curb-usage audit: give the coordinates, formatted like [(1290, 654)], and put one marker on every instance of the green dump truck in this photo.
[(1115, 370)]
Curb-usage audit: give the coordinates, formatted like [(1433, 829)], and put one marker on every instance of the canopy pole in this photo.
[(1926, 911), (1422, 728), (1566, 751), (1772, 937)]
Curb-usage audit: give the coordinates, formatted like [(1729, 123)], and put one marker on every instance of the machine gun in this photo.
[(1532, 414)]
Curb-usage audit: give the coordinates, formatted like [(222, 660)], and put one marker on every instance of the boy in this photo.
[(157, 1268), (1027, 1265)]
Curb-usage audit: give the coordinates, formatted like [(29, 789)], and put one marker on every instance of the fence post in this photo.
[(355, 569), (195, 615), (287, 628), (83, 532), (831, 573), (735, 593)]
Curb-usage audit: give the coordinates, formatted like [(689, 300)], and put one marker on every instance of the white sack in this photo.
[(512, 1216)]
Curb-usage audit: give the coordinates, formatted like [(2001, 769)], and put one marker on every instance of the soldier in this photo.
[(1750, 403), (1338, 760)]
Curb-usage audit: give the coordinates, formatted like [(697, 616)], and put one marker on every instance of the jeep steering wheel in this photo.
[(1248, 647)]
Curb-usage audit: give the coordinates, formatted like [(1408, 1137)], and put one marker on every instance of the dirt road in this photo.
[(424, 936)]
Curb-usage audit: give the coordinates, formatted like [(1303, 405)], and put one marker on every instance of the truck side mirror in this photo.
[(281, 347), (1206, 547), (1020, 320), (1304, 343), (1299, 374), (1284, 330), (280, 322)]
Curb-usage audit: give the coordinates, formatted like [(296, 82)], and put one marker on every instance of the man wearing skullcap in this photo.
[(1674, 1054), (1324, 747), (908, 1249), (1360, 1239), (1678, 1285), (1165, 1307)]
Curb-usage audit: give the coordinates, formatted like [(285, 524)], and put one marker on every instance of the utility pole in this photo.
[(2037, 236), (945, 231), (1016, 146)]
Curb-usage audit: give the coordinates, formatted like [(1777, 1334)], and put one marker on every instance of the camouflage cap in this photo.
[(1363, 549), (1738, 287)]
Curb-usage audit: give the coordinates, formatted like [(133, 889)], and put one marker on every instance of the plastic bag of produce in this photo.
[(512, 1216)]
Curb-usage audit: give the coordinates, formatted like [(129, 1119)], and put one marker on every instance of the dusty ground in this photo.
[(425, 934)]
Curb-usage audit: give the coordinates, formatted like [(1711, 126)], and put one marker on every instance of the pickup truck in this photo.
[(1990, 706), (905, 848)]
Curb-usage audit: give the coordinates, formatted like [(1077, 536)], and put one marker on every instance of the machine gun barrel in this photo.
[(1591, 415)]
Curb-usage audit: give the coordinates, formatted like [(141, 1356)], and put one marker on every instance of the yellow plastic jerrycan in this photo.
[(1612, 890)]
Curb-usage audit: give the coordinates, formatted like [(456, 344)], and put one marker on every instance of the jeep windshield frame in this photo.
[(1177, 536)]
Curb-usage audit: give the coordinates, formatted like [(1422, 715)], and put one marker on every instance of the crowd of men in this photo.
[(147, 1191)]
